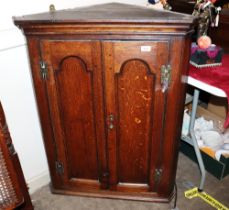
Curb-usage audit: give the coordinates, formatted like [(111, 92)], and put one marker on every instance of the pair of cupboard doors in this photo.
[(112, 122)]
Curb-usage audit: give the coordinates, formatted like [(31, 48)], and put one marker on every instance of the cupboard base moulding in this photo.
[(153, 197)]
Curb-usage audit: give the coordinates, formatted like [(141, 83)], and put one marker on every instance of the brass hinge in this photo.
[(59, 167), (165, 77), (43, 70), (157, 176)]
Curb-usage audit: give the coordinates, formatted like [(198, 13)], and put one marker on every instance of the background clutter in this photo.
[(211, 136)]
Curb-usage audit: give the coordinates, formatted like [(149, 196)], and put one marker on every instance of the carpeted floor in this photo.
[(187, 174)]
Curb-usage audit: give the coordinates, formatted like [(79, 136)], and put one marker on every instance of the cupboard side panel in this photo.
[(179, 52), (43, 109)]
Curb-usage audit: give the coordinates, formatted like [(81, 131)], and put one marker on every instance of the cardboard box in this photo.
[(218, 106), (218, 121), (220, 168)]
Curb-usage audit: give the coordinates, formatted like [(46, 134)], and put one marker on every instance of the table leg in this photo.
[(193, 137)]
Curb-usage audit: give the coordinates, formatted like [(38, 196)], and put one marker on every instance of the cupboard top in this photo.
[(106, 13)]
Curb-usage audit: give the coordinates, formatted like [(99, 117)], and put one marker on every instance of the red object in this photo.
[(215, 76)]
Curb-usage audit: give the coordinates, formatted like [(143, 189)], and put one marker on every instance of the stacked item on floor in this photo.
[(212, 138), (208, 65)]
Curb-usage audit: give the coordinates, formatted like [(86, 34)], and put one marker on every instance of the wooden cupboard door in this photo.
[(135, 113), (74, 94)]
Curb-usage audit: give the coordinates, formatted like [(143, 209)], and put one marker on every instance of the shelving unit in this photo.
[(191, 139)]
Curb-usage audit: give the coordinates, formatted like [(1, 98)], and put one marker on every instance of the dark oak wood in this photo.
[(106, 122), (105, 13), (131, 96), (75, 105), (14, 191)]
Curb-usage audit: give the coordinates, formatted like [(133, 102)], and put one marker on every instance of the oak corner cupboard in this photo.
[(109, 84)]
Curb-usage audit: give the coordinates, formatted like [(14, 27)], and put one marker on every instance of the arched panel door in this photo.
[(74, 94), (136, 108)]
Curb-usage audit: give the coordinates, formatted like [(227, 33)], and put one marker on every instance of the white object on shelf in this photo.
[(226, 146), (192, 139), (220, 152), (188, 98), (212, 139), (186, 123)]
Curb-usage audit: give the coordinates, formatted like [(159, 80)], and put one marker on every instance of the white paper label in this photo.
[(145, 48)]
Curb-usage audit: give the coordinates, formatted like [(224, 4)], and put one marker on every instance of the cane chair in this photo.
[(13, 190)]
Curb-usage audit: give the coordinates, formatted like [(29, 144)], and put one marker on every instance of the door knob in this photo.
[(110, 120), (111, 126)]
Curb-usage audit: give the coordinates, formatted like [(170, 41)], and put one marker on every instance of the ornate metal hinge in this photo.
[(43, 70), (157, 176), (59, 167), (165, 77)]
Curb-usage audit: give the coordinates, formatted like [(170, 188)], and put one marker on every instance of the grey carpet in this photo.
[(187, 174)]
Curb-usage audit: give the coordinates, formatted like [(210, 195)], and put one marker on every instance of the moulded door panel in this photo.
[(135, 112), (74, 93)]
